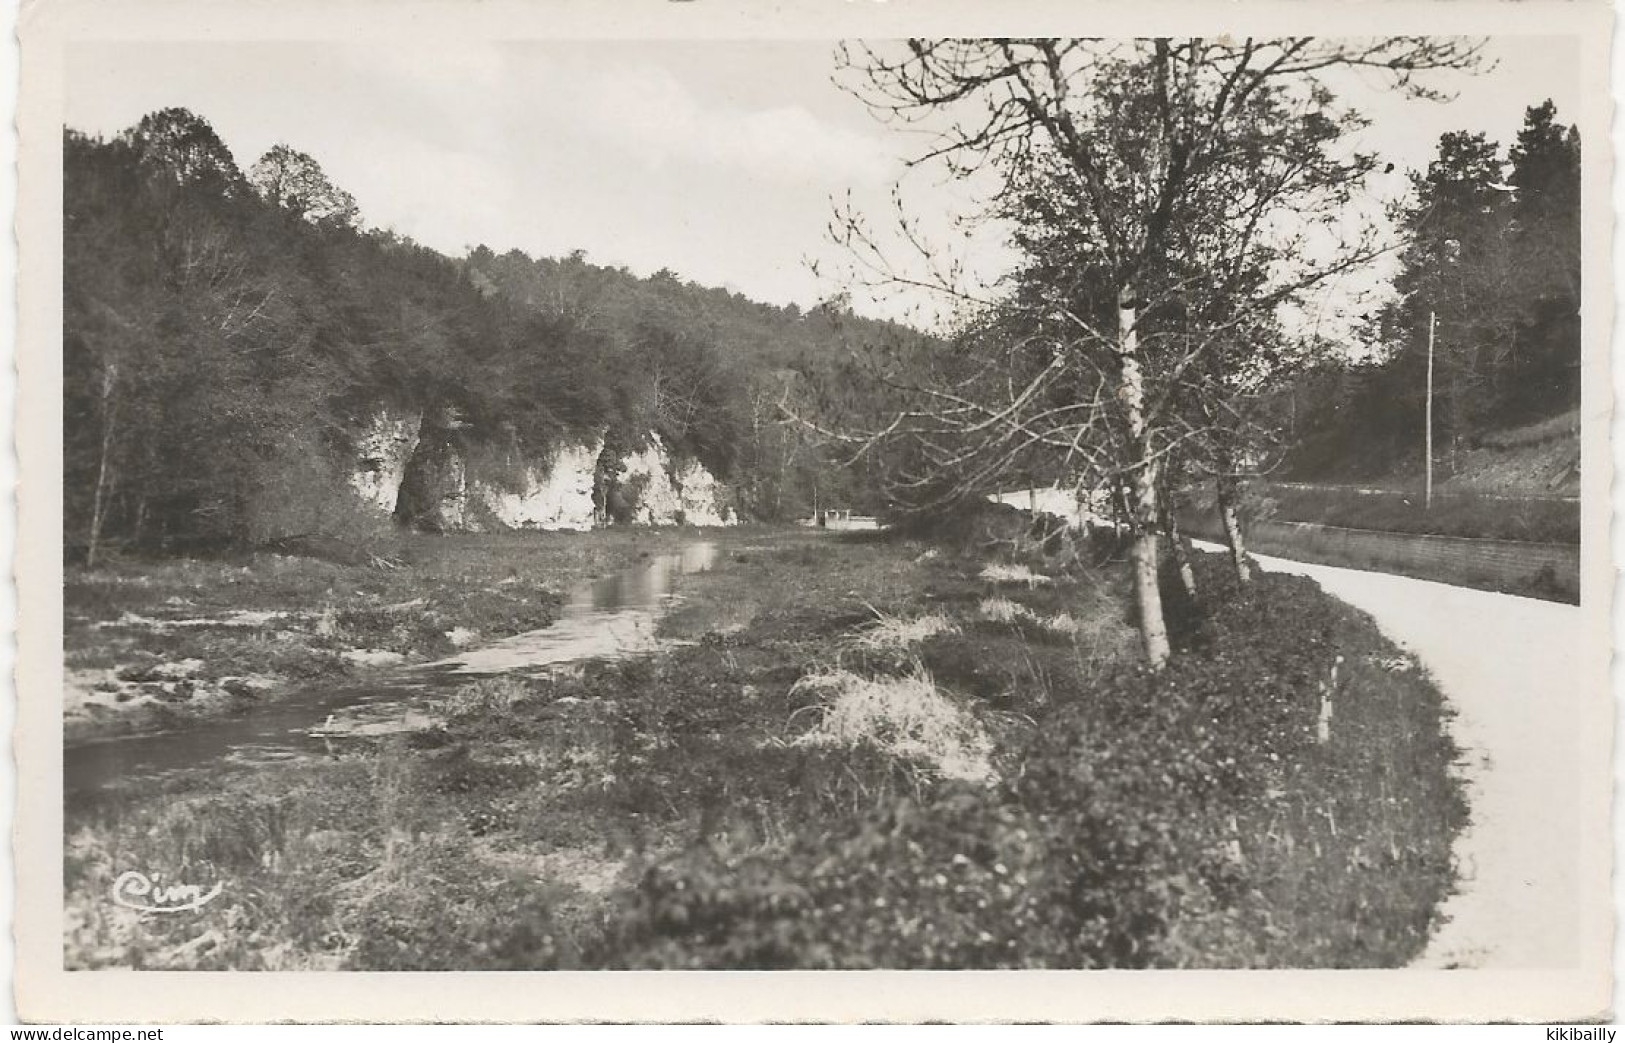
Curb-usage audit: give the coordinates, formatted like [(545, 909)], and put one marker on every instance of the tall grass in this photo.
[(1014, 574), (895, 632), (904, 717)]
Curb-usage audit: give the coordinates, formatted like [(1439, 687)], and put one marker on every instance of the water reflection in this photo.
[(612, 617), (605, 619)]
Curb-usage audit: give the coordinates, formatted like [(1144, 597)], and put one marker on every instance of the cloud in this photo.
[(440, 69), (441, 197), (650, 114)]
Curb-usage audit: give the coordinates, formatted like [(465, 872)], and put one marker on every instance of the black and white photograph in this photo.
[(702, 499)]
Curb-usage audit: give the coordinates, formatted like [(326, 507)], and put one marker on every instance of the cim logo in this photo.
[(136, 890)]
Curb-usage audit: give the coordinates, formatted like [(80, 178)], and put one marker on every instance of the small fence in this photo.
[(842, 520)]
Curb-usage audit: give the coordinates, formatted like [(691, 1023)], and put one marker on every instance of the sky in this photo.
[(721, 160)]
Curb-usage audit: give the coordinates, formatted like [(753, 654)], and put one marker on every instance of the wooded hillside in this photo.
[(228, 336)]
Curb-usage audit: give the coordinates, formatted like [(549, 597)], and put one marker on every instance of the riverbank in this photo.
[(870, 753), (151, 644)]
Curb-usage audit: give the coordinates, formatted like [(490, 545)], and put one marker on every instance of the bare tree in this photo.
[(1168, 198)]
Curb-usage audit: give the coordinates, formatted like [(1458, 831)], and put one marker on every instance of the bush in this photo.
[(300, 492), (977, 528), (904, 717), (462, 922), (959, 883)]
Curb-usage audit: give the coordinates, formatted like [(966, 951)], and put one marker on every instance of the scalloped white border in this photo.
[(45, 992)]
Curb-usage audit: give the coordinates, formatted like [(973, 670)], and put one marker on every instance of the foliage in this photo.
[(290, 179), (1203, 183)]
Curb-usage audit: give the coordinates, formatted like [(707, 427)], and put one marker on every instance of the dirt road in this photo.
[(1510, 668)]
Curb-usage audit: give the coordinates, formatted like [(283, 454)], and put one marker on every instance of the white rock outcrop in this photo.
[(674, 494), (382, 453), (703, 498), (648, 472), (555, 496)]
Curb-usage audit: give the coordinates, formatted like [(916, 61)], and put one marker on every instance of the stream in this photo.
[(608, 618)]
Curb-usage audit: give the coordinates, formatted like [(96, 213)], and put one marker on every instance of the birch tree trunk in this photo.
[(104, 476), (1176, 547), (1143, 502), (1228, 515)]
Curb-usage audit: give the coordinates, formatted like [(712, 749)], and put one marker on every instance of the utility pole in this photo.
[(1427, 494)]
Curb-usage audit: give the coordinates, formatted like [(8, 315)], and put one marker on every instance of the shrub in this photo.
[(299, 491), (462, 922), (897, 632), (961, 882), (455, 770), (405, 630), (977, 528), (1001, 610), (486, 700), (997, 573), (905, 717), (510, 608)]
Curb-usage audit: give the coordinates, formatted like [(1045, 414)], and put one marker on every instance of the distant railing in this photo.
[(842, 520)]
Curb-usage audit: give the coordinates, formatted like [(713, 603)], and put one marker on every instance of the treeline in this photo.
[(229, 336), (1492, 271)]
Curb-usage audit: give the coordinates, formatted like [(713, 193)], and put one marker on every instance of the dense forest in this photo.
[(228, 336), (1491, 274)]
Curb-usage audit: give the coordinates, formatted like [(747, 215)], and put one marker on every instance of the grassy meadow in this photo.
[(858, 751)]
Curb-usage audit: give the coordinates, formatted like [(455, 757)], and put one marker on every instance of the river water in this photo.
[(605, 619)]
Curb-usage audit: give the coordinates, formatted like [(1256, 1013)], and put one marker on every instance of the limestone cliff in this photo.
[(410, 466)]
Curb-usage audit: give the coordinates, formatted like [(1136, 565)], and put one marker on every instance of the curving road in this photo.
[(1510, 668)]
